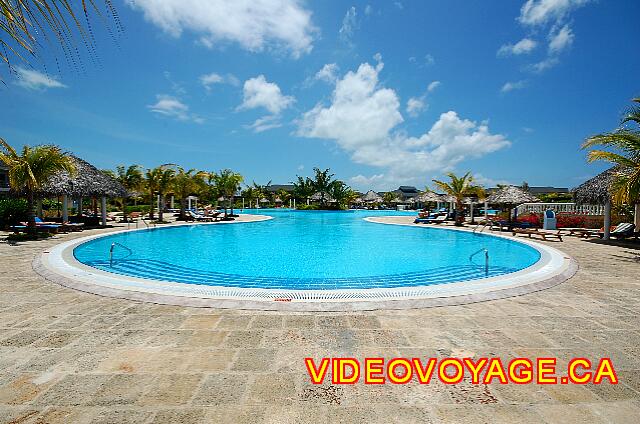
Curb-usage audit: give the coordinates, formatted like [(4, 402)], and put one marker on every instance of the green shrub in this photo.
[(139, 208), (311, 207), (12, 211)]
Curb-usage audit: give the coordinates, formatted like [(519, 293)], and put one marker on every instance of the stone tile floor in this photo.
[(73, 357)]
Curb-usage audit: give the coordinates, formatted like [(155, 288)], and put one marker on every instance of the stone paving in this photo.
[(73, 357)]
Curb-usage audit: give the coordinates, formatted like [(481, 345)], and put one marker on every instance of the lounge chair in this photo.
[(622, 230), (197, 217), (544, 234), (436, 220), (579, 232)]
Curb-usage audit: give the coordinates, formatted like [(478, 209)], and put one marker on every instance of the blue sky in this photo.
[(383, 93)]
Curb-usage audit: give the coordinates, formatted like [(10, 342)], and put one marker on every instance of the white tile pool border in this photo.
[(58, 264)]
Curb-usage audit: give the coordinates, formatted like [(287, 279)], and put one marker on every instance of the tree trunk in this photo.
[(183, 207), (459, 213), (161, 208), (231, 200), (636, 216), (124, 209), (31, 213), (151, 207)]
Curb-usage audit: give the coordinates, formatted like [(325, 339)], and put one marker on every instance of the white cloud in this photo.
[(540, 12), (415, 105), (209, 80), (513, 85), (265, 123), (362, 120), (368, 10), (328, 73), (34, 80), (258, 92), (253, 24), (543, 65), (349, 25), (526, 45), (174, 108), (433, 85), (560, 39)]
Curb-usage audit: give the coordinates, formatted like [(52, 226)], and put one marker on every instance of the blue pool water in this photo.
[(306, 250)]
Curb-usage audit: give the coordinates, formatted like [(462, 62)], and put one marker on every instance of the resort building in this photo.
[(406, 192)]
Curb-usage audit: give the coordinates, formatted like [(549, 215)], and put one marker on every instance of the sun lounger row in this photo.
[(193, 216), (436, 220), (49, 227), (544, 234)]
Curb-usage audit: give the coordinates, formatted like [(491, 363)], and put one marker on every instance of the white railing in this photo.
[(561, 207)]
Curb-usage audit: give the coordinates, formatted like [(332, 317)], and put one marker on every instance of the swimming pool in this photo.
[(307, 250)]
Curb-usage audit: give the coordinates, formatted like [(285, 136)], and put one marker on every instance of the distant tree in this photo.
[(185, 184), (525, 186), (388, 197), (459, 187), (303, 188), (227, 184), (131, 179), (31, 169), (342, 194), (164, 184), (151, 178), (322, 183)]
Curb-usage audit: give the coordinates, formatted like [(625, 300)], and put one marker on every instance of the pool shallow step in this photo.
[(164, 271)]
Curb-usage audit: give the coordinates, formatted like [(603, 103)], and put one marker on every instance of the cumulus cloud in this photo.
[(174, 108), (560, 39), (363, 117), (209, 80), (258, 92), (253, 24), (513, 85), (540, 12), (328, 73), (526, 45), (349, 25), (34, 80)]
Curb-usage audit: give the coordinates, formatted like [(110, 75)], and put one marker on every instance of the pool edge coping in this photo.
[(41, 265)]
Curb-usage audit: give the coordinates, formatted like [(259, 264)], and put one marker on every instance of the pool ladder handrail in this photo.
[(113, 245), (475, 229), (486, 259)]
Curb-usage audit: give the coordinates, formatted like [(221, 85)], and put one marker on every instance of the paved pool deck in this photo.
[(73, 357)]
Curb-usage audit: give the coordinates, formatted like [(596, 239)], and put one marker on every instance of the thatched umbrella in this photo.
[(597, 191), (428, 196), (511, 196), (88, 181), (318, 196), (372, 197)]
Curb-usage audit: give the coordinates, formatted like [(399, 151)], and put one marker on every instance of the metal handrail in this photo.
[(486, 259), (475, 229), (113, 245)]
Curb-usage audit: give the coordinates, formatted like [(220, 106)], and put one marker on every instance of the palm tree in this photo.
[(26, 25), (388, 197), (131, 179), (31, 169), (303, 188), (626, 141), (186, 183), (151, 178), (165, 175), (459, 187), (342, 194), (227, 183), (321, 183)]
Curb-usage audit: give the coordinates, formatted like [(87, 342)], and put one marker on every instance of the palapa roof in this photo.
[(428, 196), (595, 191), (511, 195), (447, 198), (88, 181), (372, 196)]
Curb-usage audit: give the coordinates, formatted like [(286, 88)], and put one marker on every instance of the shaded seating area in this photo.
[(89, 182)]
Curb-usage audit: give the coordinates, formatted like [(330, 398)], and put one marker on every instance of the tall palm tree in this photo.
[(227, 184), (186, 183), (26, 25), (131, 179), (151, 178), (459, 187), (164, 184), (32, 168), (342, 194), (625, 140)]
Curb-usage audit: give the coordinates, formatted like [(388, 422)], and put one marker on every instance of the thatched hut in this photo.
[(88, 181), (320, 196), (510, 196), (597, 191), (372, 197)]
